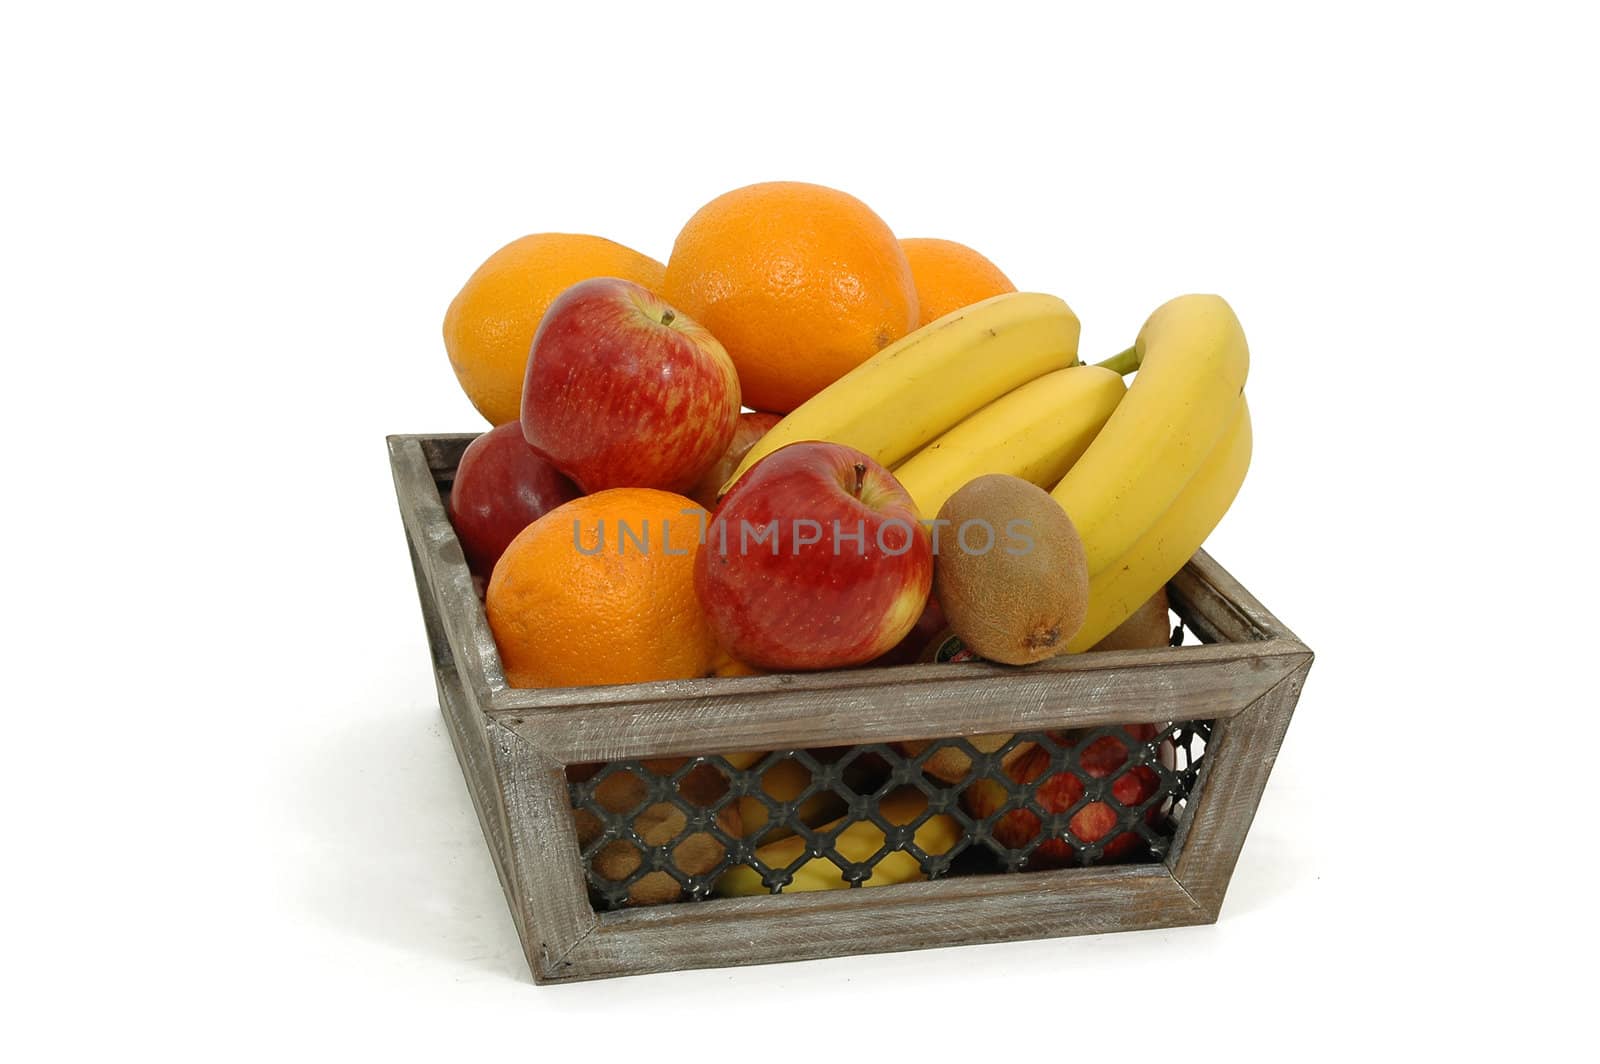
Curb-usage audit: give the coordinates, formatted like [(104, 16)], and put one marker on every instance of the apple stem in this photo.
[(1123, 362), (861, 475), (667, 316)]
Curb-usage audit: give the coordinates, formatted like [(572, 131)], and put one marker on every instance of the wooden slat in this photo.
[(467, 727), (1190, 683), (443, 570), (521, 702), (948, 912), (1238, 760), (467, 736), (1218, 608), (547, 864)]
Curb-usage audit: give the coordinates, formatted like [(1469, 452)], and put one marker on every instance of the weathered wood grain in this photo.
[(947, 912), (442, 568), (1233, 776), (467, 727), (468, 736), (546, 862), (1218, 608), (931, 701), (526, 701)]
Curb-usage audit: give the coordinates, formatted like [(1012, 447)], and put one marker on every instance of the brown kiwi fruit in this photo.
[(1147, 628), (1025, 596)]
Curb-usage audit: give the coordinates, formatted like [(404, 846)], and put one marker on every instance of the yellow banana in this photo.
[(1035, 432), (856, 843), (907, 394), (1120, 588), (1192, 362)]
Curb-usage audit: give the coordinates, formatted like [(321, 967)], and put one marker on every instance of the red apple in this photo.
[(1104, 757), (623, 391), (909, 650), (752, 426), (814, 560), (502, 486)]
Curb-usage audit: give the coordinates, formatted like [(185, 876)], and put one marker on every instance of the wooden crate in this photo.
[(514, 746)]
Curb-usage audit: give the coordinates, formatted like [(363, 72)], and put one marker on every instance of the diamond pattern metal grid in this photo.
[(657, 831)]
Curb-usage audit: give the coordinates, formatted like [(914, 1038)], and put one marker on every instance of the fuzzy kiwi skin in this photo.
[(1014, 606), (1147, 628)]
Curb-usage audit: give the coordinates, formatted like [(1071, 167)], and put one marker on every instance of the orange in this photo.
[(951, 276), (801, 284), (489, 327), (601, 590)]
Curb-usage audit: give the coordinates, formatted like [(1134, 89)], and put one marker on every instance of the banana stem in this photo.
[(1124, 362)]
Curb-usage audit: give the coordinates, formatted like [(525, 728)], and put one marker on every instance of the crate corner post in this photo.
[(554, 916), (1239, 759)]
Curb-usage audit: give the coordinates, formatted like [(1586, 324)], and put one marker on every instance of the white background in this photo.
[(233, 824)]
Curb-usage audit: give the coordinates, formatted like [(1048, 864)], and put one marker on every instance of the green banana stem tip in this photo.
[(1123, 362)]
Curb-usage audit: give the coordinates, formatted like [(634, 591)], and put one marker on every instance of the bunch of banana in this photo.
[(1117, 591), (1167, 464), (903, 397), (1145, 472), (856, 843), (1035, 432)]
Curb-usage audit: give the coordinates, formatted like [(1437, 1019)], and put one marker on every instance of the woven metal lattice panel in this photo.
[(670, 830)]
